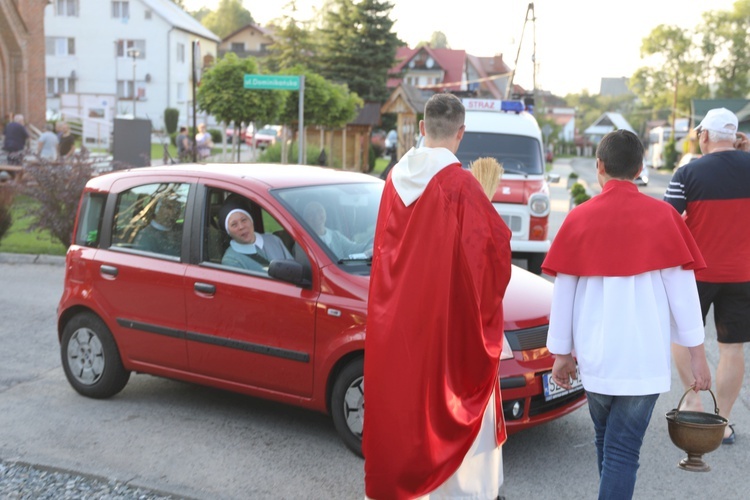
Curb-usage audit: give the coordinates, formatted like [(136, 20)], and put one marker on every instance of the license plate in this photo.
[(552, 390)]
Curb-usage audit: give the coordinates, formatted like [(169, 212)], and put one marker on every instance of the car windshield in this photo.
[(518, 154), (339, 217)]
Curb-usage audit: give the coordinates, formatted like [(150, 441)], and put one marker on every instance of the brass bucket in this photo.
[(696, 433)]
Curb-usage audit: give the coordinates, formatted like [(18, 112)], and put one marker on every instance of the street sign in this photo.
[(272, 82)]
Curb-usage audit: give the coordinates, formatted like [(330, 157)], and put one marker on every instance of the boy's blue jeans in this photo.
[(620, 423)]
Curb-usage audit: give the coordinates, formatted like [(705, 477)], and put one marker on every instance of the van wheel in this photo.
[(90, 357), (348, 404), (534, 262)]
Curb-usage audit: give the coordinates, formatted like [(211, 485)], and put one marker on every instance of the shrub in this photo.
[(57, 188), (577, 189), (216, 135), (171, 116), (272, 154), (573, 175), (372, 156), (7, 190), (580, 198)]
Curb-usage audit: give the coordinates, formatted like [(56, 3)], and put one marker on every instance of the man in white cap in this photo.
[(713, 192)]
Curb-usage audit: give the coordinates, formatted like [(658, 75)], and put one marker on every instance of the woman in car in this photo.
[(248, 249)]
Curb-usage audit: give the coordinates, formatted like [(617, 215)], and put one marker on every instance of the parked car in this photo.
[(293, 332), (642, 179), (264, 138), (687, 158), (391, 142)]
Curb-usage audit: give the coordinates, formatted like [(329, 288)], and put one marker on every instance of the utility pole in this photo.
[(529, 10)]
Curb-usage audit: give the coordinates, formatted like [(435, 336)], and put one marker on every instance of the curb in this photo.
[(22, 258)]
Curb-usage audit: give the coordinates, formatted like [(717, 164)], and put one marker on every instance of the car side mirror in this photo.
[(553, 178), (288, 270)]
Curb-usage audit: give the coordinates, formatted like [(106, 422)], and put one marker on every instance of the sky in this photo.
[(578, 42)]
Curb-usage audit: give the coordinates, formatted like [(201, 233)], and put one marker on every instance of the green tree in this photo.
[(438, 40), (227, 18), (293, 43), (222, 94), (676, 77), (726, 48), (358, 46)]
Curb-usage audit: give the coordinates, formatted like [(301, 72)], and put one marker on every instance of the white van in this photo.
[(506, 131)]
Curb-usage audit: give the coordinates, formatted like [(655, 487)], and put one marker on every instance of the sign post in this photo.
[(196, 81), (283, 82)]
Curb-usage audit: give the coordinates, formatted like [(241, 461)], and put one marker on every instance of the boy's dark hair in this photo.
[(621, 152)]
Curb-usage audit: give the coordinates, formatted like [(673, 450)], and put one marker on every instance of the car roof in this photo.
[(273, 175)]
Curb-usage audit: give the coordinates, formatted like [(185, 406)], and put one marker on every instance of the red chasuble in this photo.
[(621, 232), (434, 333)]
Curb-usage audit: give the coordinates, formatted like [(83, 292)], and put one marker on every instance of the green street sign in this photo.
[(272, 82)]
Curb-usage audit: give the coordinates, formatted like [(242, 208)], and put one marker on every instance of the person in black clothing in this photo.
[(15, 140)]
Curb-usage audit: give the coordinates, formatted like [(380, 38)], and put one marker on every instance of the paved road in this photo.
[(195, 442)]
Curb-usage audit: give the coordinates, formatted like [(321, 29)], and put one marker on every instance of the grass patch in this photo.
[(19, 240)]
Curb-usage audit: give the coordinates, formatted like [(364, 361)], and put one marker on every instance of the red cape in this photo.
[(621, 232), (434, 333)]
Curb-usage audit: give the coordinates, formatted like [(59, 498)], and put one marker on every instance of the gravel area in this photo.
[(24, 482)]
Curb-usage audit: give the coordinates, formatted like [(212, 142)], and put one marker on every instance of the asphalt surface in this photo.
[(165, 439)]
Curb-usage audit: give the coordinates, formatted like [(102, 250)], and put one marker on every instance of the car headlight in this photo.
[(539, 205), (507, 351)]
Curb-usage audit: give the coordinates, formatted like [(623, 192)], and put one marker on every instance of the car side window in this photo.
[(90, 220), (150, 218), (240, 234)]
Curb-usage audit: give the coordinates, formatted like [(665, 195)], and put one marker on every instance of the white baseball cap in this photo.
[(719, 120)]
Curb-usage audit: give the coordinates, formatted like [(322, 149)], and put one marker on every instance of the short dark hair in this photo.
[(621, 152), (444, 114), (183, 129)]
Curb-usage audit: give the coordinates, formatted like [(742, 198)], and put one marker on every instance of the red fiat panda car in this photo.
[(148, 289)]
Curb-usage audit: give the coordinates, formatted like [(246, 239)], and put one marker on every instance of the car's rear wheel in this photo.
[(90, 357), (348, 404)]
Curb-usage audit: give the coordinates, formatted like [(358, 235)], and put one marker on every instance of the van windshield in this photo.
[(518, 154)]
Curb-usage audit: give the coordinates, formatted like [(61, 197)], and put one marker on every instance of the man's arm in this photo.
[(675, 194)]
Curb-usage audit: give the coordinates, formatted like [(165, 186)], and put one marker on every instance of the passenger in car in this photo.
[(248, 249), (315, 215), (162, 235)]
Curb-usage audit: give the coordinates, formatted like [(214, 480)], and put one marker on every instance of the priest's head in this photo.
[(443, 123)]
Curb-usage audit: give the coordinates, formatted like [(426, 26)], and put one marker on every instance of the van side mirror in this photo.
[(553, 178)]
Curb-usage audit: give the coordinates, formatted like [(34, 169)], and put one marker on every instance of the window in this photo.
[(57, 86), (125, 90), (150, 218), (58, 46), (67, 8), (219, 248), (121, 9), (125, 48), (238, 47), (181, 52), (89, 226)]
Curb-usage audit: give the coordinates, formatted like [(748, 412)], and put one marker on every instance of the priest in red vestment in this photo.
[(433, 425)]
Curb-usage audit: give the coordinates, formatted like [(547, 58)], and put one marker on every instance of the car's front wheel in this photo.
[(90, 357), (348, 404)]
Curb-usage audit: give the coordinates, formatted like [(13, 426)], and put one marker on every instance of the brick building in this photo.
[(22, 49)]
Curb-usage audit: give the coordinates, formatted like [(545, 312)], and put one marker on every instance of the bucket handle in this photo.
[(716, 407)]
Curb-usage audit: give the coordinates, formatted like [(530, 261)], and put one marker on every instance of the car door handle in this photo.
[(109, 270), (205, 288)]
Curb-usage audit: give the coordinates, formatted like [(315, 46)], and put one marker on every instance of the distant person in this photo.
[(16, 137), (203, 142), (183, 145), (713, 193), (441, 264), (66, 147), (248, 249), (47, 144), (624, 289), (162, 235)]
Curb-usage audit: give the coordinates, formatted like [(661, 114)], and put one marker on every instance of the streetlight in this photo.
[(134, 53)]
